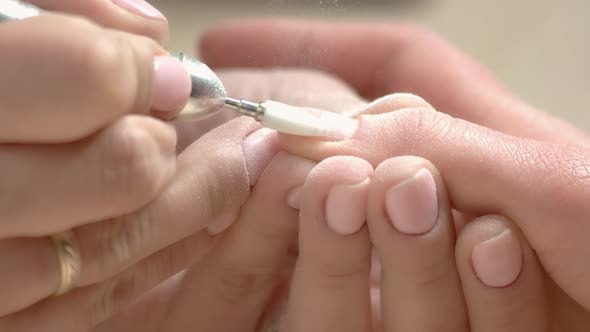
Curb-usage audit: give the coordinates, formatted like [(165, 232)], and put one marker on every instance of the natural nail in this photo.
[(259, 149), (412, 205), (346, 207), (498, 261), (140, 7), (172, 84)]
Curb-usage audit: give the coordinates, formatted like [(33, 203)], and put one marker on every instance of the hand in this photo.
[(79, 152), (247, 267), (547, 198), (486, 280), (247, 281)]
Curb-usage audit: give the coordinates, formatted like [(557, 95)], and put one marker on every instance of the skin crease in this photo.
[(122, 288), (152, 304), (403, 132), (147, 235), (563, 312)]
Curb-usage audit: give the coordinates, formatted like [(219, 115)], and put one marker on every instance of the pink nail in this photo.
[(140, 7), (346, 207), (412, 205), (498, 261), (172, 84), (260, 148)]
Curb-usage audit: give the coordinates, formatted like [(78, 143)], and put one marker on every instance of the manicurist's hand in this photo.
[(93, 195)]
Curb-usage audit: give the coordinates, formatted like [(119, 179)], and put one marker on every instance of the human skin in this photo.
[(477, 159), (83, 150), (93, 303), (531, 301)]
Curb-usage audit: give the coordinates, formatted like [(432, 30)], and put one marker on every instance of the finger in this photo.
[(330, 289), (120, 170), (543, 187), (109, 247), (230, 289), (392, 103), (337, 96), (379, 59), (138, 17), (147, 313), (89, 306), (210, 182), (213, 180), (28, 272), (49, 98), (411, 227), (501, 276)]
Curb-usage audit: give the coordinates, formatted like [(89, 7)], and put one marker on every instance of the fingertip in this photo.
[(348, 168), (337, 190), (172, 85), (492, 249), (497, 261), (502, 280), (138, 17)]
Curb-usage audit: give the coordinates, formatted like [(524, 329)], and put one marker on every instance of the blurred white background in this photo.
[(539, 48)]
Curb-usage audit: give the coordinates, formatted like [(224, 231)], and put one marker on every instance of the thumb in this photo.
[(546, 187)]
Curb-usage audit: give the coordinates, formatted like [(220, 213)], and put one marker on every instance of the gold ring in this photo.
[(70, 263)]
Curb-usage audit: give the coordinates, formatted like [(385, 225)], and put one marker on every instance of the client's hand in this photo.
[(487, 280), (539, 185)]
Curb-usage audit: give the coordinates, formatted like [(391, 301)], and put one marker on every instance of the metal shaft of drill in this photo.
[(251, 109)]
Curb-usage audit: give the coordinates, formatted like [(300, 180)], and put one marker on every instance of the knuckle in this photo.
[(124, 239), (424, 125), (338, 272), (113, 296), (236, 283), (110, 71), (213, 178), (134, 164), (433, 273)]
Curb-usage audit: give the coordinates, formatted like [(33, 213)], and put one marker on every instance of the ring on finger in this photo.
[(70, 263)]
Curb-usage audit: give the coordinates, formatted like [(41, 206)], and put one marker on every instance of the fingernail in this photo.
[(222, 223), (498, 261), (412, 205), (259, 149), (346, 207), (172, 84), (140, 7), (294, 197)]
